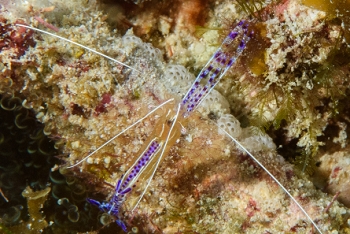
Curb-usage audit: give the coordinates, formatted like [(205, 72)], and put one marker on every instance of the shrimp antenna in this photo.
[(78, 44), (126, 129), (273, 177)]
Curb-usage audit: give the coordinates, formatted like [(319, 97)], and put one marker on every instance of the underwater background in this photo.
[(286, 100)]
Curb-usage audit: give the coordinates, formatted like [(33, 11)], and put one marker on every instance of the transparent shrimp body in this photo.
[(221, 61), (168, 128), (165, 134)]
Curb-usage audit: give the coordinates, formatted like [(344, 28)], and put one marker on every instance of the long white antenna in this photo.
[(78, 44), (273, 177), (126, 129)]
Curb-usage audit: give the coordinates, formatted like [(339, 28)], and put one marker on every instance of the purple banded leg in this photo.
[(94, 202), (125, 191), (117, 188), (121, 224), (111, 209)]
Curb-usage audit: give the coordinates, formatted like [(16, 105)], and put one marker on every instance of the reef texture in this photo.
[(205, 184)]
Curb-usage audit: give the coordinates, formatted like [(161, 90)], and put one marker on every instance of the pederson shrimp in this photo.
[(171, 123)]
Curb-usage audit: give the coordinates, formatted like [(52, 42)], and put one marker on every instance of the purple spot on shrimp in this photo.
[(223, 61), (230, 62), (217, 54), (202, 75), (218, 60), (233, 35), (242, 45), (93, 202)]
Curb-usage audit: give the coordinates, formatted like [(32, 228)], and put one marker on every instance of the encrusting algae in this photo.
[(205, 184), (35, 201)]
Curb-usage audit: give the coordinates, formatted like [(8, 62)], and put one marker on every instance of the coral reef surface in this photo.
[(282, 100)]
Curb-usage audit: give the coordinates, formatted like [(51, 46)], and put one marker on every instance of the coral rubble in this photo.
[(205, 184)]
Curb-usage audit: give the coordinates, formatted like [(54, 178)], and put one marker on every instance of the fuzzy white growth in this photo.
[(132, 125), (130, 41), (154, 53), (272, 176), (231, 124), (256, 140), (214, 102), (177, 79), (78, 44)]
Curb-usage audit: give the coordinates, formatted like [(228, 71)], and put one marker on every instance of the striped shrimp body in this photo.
[(168, 130), (225, 56), (170, 124)]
